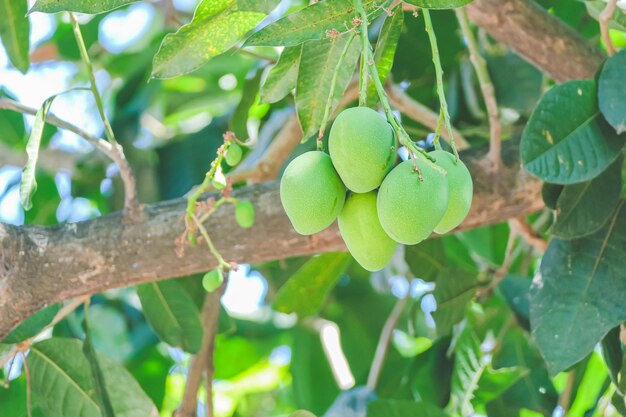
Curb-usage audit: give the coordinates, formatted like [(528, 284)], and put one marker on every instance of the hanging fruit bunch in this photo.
[(377, 203)]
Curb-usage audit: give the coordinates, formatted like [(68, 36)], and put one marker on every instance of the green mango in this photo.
[(311, 192), (361, 145), (364, 236), (410, 209), (460, 191)]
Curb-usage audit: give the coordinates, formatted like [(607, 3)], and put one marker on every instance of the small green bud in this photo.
[(212, 280), (233, 154), (244, 214)]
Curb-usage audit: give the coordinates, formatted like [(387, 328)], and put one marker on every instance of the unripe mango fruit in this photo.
[(410, 209), (460, 190), (364, 236), (361, 147), (311, 192)]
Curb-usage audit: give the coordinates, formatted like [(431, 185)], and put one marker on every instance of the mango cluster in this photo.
[(386, 205)]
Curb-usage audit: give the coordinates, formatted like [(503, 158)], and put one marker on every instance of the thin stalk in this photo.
[(363, 74), (439, 74), (92, 79), (210, 245)]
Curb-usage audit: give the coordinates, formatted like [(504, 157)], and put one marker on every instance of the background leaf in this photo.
[(439, 4), (172, 314), (396, 408), (612, 90), (565, 141), (80, 6), (15, 32), (101, 393), (32, 325), (454, 289), (283, 76)]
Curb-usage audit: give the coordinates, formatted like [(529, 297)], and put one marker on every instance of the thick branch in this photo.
[(39, 266), (539, 37)]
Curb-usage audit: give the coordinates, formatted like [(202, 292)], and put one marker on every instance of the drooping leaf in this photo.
[(32, 325), (312, 22), (12, 129), (581, 286), (79, 6), (100, 391), (427, 259), (307, 289), (617, 21), (238, 123), (612, 90), (454, 289), (282, 78), (172, 314), (584, 208), (318, 65), (566, 141), (15, 32), (216, 26), (439, 4), (403, 408), (518, 84), (386, 50), (28, 184), (59, 370)]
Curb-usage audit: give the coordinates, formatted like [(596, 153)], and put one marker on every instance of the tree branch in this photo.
[(49, 159)]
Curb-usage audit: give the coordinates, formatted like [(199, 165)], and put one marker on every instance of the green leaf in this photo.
[(282, 78), (101, 393), (565, 140), (312, 22), (618, 20), (454, 289), (302, 413), (386, 50), (518, 84), (172, 314), (612, 354), (592, 386), (400, 408), (550, 194), (238, 123), (61, 382), (32, 325), (439, 4), (578, 297), (612, 90), (79, 6), (318, 64), (28, 184), (584, 208), (427, 259), (307, 289), (410, 346), (216, 26), (12, 129), (15, 32), (13, 400)]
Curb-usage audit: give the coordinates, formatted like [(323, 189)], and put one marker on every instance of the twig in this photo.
[(501, 272), (200, 361), (112, 150), (566, 395), (523, 229), (383, 343), (605, 18), (420, 113), (488, 91), (29, 407)]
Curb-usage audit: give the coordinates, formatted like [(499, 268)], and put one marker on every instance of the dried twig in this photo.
[(605, 18)]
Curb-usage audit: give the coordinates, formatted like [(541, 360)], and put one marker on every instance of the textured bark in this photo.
[(39, 266), (539, 37)]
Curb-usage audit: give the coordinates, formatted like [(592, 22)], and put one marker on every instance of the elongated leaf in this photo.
[(101, 393), (400, 408), (311, 23), (584, 208), (283, 76), (172, 314), (12, 128), (307, 289), (612, 90), (32, 325), (318, 64), (439, 4), (618, 21), (216, 26), (238, 123), (613, 355), (578, 297), (15, 32), (565, 141), (386, 50), (80, 6), (62, 386), (454, 289), (28, 184)]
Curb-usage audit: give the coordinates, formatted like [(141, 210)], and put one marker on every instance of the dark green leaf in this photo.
[(172, 314), (427, 259), (578, 297), (101, 394), (32, 325), (454, 289), (565, 141), (80, 6), (396, 408), (282, 78), (318, 65), (15, 32), (613, 355), (312, 22), (12, 129), (439, 4), (238, 123), (515, 290), (612, 90), (59, 370), (518, 84), (584, 208), (306, 290), (550, 194)]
